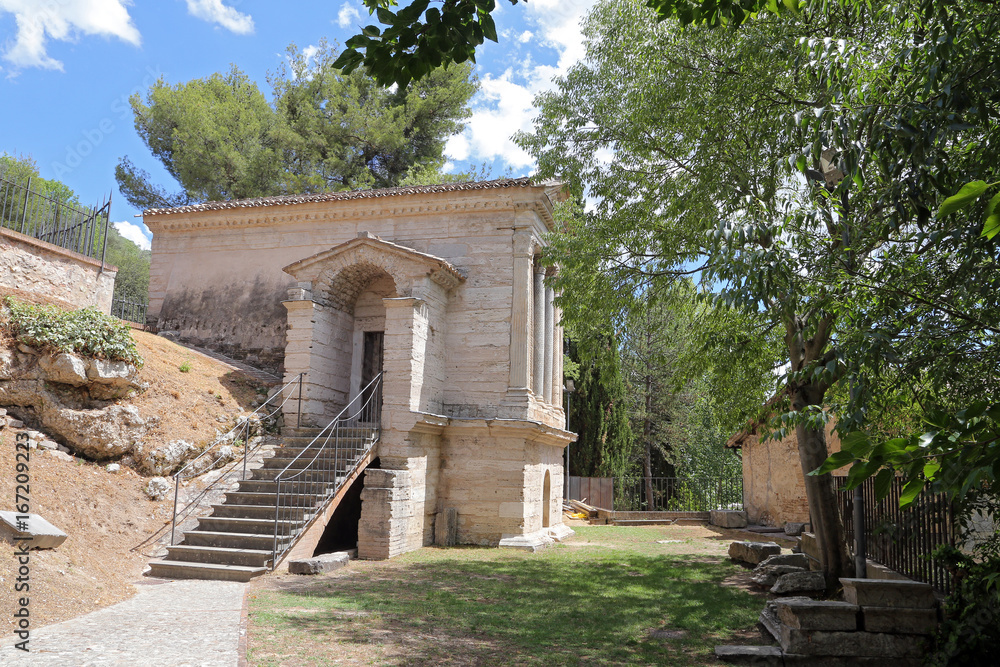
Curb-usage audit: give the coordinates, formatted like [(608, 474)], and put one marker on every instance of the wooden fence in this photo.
[(668, 494), (596, 491), (903, 540)]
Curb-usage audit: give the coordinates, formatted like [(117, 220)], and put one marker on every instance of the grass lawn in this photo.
[(608, 595)]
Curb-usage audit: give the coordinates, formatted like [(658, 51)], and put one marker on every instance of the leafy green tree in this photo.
[(215, 136), (419, 38), (691, 369), (19, 169), (663, 128), (835, 243), (220, 137), (598, 406), (132, 281), (922, 291), (345, 131)]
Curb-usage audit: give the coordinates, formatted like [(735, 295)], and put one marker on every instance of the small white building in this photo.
[(439, 287)]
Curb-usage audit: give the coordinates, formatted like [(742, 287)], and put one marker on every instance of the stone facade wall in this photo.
[(45, 269), (774, 491), (217, 279), (467, 423)]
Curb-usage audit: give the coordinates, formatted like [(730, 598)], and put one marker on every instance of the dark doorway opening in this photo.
[(371, 367), (341, 533)]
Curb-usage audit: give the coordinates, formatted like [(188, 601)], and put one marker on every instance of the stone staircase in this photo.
[(237, 541)]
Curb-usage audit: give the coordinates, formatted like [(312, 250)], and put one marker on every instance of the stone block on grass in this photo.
[(888, 593), (766, 576), (794, 528), (37, 532), (799, 582), (802, 613), (319, 564), (753, 552), (728, 518), (895, 620)]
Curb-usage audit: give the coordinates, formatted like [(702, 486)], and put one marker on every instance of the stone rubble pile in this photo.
[(879, 622)]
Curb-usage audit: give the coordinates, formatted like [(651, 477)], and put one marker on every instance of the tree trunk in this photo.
[(821, 491), (647, 458)]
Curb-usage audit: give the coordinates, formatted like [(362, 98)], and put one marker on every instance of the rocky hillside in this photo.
[(99, 430)]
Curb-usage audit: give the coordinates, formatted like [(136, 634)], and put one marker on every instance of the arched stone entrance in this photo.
[(367, 286)]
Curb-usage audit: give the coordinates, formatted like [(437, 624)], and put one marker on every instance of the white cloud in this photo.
[(214, 11), (503, 108), (310, 52), (38, 22), (134, 233), (504, 105), (347, 15)]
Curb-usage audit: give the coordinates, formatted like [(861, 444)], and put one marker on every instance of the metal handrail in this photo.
[(224, 438), (365, 408)]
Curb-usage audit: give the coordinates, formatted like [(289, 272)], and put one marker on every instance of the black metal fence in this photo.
[(28, 211), (903, 540), (130, 310), (678, 494)]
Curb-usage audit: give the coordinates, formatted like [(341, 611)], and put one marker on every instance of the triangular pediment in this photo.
[(370, 249)]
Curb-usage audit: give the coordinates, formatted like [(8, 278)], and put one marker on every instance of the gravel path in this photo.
[(167, 624)]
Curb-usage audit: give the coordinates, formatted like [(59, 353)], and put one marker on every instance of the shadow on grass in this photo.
[(541, 610)]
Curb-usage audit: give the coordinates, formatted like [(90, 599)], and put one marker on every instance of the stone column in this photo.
[(538, 330), (406, 327), (298, 353), (520, 319), (557, 361), (549, 342)]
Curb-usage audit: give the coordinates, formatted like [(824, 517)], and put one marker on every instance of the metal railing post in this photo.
[(246, 445), (173, 521), (277, 501), (860, 547), (298, 414)]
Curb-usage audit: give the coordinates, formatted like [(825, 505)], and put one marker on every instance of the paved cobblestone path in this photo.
[(167, 624)]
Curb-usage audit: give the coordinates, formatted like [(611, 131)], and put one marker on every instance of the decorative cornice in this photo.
[(298, 210)]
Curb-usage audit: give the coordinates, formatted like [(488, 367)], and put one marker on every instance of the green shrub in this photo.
[(185, 367), (86, 332)]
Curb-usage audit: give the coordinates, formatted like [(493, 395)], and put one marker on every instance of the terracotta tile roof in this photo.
[(288, 200)]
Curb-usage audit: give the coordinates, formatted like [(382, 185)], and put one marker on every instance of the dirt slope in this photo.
[(107, 514)]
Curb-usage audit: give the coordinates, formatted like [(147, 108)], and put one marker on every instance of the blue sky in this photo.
[(67, 68)]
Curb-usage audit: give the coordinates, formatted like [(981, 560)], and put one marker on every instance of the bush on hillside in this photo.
[(86, 332)]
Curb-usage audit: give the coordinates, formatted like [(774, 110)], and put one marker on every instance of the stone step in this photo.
[(344, 440), (304, 484), (282, 459), (220, 556), (261, 512), (246, 525), (319, 475), (207, 538), (306, 500), (318, 450), (773, 656), (313, 432), (167, 569)]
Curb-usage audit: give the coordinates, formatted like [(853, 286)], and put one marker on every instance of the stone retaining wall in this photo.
[(42, 268)]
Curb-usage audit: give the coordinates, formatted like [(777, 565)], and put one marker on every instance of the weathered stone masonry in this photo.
[(472, 359), (42, 268)]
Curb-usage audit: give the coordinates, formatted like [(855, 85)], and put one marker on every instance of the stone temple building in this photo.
[(439, 287)]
